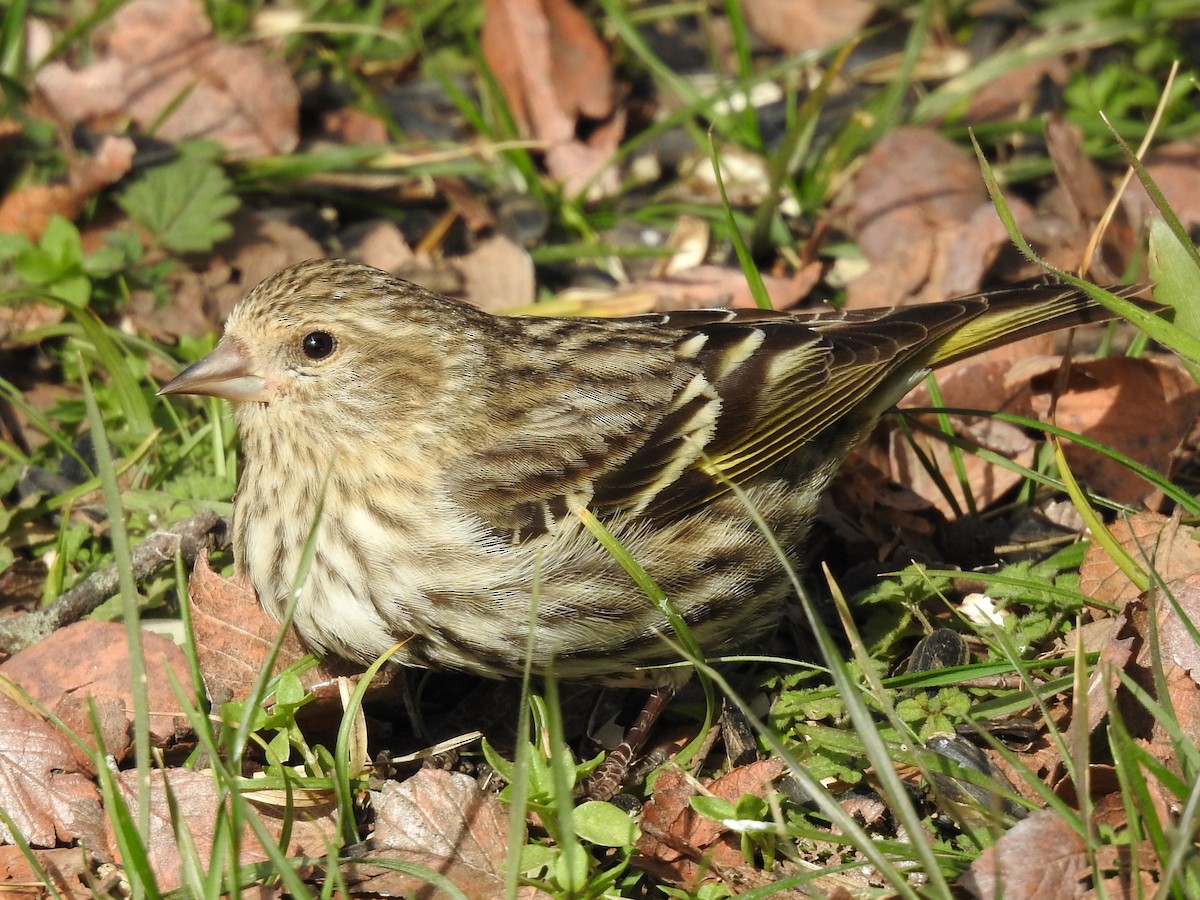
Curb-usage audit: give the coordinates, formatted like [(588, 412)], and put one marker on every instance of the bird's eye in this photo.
[(318, 344)]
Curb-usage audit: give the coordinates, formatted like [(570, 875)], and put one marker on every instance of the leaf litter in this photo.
[(917, 211)]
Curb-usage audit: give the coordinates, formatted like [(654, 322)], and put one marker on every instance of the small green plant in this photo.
[(562, 864), (750, 818), (184, 203), (57, 265)]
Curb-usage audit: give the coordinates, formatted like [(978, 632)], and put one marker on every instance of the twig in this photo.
[(206, 531)]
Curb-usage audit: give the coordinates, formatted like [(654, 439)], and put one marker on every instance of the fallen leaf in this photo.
[(1040, 858), (688, 241), (913, 186), (1135, 870), (498, 274), (90, 660), (19, 318), (163, 67), (383, 246), (979, 382), (872, 514), (1175, 168), (347, 125), (45, 780), (1176, 640), (801, 25), (27, 210), (973, 248), (195, 799), (200, 301), (554, 72), (234, 635), (444, 822), (1150, 538), (66, 867), (685, 845), (709, 287), (1008, 95), (1140, 407), (1086, 192)]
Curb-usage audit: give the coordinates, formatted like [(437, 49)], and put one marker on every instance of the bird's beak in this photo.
[(227, 372)]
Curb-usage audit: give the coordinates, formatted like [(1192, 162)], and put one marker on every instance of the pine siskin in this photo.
[(447, 449)]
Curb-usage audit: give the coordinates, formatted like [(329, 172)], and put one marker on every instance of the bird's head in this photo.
[(327, 336)]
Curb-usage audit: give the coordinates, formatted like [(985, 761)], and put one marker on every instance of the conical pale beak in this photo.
[(227, 372)]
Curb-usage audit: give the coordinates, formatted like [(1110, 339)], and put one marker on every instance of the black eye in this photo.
[(318, 344)]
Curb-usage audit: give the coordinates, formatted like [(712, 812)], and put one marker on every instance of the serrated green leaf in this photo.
[(183, 203)]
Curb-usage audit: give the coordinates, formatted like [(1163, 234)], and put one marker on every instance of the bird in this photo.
[(440, 456)]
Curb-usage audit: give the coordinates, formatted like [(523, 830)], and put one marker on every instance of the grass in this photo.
[(846, 719)]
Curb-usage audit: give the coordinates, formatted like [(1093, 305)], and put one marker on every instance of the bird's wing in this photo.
[(810, 391), (660, 414), (653, 415), (578, 403)]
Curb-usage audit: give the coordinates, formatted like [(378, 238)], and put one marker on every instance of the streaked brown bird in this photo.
[(447, 449)]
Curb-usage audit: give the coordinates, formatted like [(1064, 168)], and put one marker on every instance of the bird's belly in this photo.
[(458, 598)]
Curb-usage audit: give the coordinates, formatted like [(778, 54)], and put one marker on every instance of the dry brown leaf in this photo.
[(444, 822), (1184, 697), (986, 482), (1150, 538), (1143, 648), (800, 25), (1158, 542), (1177, 623), (1084, 195), (1143, 408), (66, 866), (45, 780), (688, 241), (1171, 646), (872, 515), (19, 317), (234, 634), (554, 71), (1175, 168), (1116, 647), (347, 125), (1039, 858), (27, 210), (90, 659), (1012, 93), (161, 58), (675, 837), (1125, 863), (498, 274), (707, 287), (474, 210), (973, 248), (313, 829), (383, 246), (912, 195), (976, 383)]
